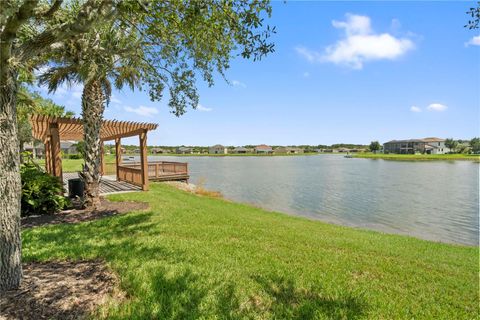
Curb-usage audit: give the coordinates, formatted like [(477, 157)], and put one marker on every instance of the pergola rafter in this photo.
[(51, 130)]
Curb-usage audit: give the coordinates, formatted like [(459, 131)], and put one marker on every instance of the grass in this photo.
[(418, 157), (192, 257)]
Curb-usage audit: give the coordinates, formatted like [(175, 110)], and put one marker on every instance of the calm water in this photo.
[(430, 200)]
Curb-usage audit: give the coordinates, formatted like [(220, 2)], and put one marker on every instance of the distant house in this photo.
[(217, 149), (263, 148), (412, 146), (184, 150), (37, 149), (158, 150), (288, 150), (68, 147), (241, 150)]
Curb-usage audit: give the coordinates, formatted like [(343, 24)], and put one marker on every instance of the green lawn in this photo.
[(192, 257), (419, 157)]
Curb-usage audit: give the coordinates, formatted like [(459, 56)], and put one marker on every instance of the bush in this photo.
[(41, 192), (74, 156)]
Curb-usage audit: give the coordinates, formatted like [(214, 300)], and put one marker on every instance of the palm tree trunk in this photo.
[(93, 105), (10, 185)]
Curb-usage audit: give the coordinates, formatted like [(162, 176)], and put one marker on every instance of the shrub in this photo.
[(75, 156), (41, 192)]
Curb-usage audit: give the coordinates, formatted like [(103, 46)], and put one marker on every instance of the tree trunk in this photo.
[(10, 186), (93, 105)]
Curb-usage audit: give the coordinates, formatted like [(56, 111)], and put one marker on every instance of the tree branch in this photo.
[(56, 5), (90, 12), (15, 21)]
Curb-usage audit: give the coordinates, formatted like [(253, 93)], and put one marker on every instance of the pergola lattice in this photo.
[(51, 130)]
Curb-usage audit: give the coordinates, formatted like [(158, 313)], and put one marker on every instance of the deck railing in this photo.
[(157, 170), (130, 174)]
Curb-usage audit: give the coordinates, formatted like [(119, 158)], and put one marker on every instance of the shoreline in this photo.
[(201, 191)]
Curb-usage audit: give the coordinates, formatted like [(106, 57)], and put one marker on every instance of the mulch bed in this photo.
[(79, 215), (58, 290)]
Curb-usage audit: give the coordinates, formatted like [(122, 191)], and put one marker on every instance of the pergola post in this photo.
[(56, 151), (118, 155), (48, 155), (143, 159)]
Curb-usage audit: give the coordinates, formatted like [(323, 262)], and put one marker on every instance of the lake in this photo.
[(433, 200)]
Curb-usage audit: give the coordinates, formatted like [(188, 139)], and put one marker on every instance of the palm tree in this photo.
[(105, 56)]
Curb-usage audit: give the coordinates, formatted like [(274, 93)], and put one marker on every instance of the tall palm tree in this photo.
[(105, 57)]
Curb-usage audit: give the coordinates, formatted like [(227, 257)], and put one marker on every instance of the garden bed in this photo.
[(59, 290), (107, 209)]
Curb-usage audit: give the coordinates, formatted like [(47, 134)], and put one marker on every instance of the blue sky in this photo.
[(341, 72)]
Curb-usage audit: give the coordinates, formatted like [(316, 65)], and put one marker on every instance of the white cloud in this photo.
[(359, 45), (437, 107), (415, 109), (475, 41), (142, 110), (237, 83), (310, 55), (114, 99), (203, 108)]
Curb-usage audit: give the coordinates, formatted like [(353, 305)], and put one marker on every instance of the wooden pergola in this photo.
[(51, 130)]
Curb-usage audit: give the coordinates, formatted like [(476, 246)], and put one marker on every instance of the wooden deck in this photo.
[(157, 171), (130, 176), (108, 184)]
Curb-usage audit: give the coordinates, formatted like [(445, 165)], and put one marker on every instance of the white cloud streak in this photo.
[(360, 44), (142, 110), (203, 108), (415, 109), (475, 41), (237, 83), (438, 107)]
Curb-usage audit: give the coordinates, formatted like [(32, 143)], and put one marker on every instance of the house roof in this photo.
[(217, 146), (431, 139), (263, 146), (72, 128)]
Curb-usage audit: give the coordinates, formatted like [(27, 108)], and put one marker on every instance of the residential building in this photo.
[(217, 149), (288, 150), (263, 148), (158, 150), (37, 149), (412, 146), (68, 147), (241, 150), (184, 150)]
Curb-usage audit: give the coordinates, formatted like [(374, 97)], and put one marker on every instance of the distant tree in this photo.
[(375, 146), (451, 144), (475, 145), (29, 103)]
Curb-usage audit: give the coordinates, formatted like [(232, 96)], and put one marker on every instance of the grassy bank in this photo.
[(418, 157), (192, 257)]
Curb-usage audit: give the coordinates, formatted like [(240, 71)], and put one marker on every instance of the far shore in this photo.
[(418, 157)]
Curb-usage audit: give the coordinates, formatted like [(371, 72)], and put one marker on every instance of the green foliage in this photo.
[(451, 144), (192, 257), (41, 192), (474, 14), (75, 156), (375, 146), (475, 145), (29, 103)]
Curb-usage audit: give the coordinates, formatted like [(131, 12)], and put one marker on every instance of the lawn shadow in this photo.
[(292, 302)]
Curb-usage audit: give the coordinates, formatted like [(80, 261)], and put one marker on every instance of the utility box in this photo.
[(76, 188)]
